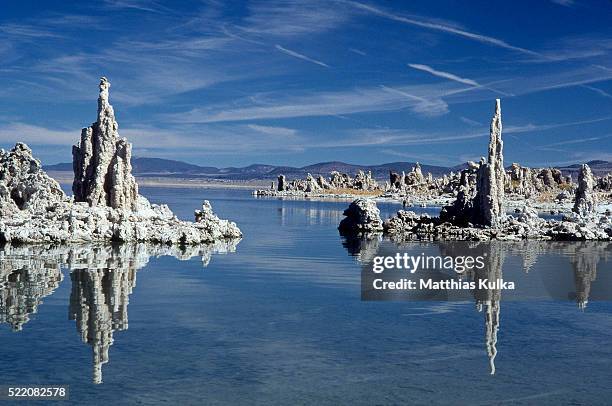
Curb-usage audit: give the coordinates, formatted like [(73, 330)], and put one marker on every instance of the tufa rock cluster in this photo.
[(478, 210), (106, 205)]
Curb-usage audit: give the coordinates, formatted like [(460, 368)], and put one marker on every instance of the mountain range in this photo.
[(167, 168)]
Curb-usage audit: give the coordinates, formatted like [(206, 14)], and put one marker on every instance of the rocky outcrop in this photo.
[(585, 204), (311, 184), (528, 182), (364, 181), (362, 216), (405, 182), (480, 199), (415, 176), (478, 211), (461, 211), (282, 183), (23, 183), (107, 208), (102, 161), (338, 183), (78, 222), (604, 183), (323, 183)]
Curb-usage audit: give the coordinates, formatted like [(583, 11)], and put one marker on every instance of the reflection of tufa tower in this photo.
[(489, 300), (103, 277), (98, 303), (584, 264), (22, 290)]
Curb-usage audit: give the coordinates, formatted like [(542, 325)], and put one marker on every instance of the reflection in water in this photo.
[(102, 276), (364, 248), (312, 215), (488, 301), (583, 258), (584, 263), (98, 303), (24, 282)]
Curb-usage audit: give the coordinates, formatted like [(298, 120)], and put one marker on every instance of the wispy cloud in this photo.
[(300, 56), (574, 48), (445, 75), (439, 26), (513, 129), (270, 130), (579, 141), (427, 106), (213, 139), (141, 5), (439, 159), (403, 137), (12, 133), (567, 78), (470, 122), (565, 3), (358, 51), (599, 91), (371, 99), (25, 31), (291, 18), (202, 139)]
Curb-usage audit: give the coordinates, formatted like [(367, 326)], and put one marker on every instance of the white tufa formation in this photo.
[(362, 216), (586, 203), (23, 183), (102, 161), (489, 201), (106, 206)]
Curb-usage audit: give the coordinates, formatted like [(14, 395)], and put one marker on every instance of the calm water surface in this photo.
[(280, 320)]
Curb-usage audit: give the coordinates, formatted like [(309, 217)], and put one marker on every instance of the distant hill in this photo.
[(599, 168), (158, 167)]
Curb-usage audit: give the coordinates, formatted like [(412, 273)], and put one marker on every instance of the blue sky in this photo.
[(296, 82)]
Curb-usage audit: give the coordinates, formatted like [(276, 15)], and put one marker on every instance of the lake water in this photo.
[(281, 320)]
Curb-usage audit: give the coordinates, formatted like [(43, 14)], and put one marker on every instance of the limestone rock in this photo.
[(216, 227), (23, 183), (489, 201), (364, 181), (108, 208), (323, 183), (585, 204), (396, 180), (102, 161), (338, 183), (362, 216), (604, 183), (282, 183), (311, 184)]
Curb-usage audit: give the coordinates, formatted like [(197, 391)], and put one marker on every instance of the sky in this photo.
[(233, 83)]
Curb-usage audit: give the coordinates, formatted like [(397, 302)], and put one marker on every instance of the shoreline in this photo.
[(66, 178)]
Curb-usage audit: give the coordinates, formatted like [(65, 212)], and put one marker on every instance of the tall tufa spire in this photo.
[(102, 161)]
